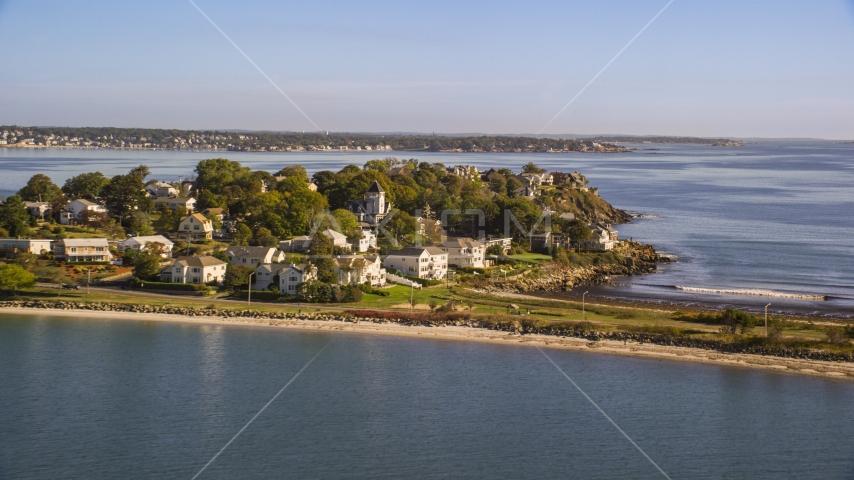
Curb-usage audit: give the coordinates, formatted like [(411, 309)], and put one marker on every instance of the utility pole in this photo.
[(88, 279), (411, 291), (582, 305), (766, 319), (249, 294)]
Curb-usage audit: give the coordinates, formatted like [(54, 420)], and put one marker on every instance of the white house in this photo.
[(338, 239), (83, 250), (254, 256), (464, 252), (421, 262), (194, 270), (76, 207), (293, 275), (30, 245), (37, 209), (139, 243), (265, 273), (196, 226), (373, 208), (368, 241), (162, 190), (536, 179), (188, 203), (357, 269), (298, 244), (602, 237)]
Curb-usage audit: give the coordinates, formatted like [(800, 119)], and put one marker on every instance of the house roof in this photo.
[(259, 252), (205, 261), (198, 216), (175, 199), (274, 267), (416, 251), (149, 238), (376, 188), (86, 202), (335, 235), (461, 242), (347, 260), (85, 242)]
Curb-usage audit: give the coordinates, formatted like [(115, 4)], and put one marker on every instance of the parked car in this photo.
[(66, 286)]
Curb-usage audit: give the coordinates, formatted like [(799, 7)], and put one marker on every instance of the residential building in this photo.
[(297, 244), (189, 203), (293, 275), (338, 239), (140, 243), (599, 240), (194, 270), (506, 243), (541, 242), (214, 212), (78, 206), (196, 227), (265, 273), (536, 179), (162, 189), (37, 209), (367, 242), (373, 208), (527, 192), (421, 262), (254, 256), (358, 269), (83, 250), (465, 171), (29, 245), (464, 252)]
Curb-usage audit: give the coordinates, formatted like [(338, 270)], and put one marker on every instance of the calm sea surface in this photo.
[(85, 398), (775, 216)]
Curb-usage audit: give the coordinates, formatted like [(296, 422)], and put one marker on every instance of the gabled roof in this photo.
[(416, 251), (85, 242), (198, 216), (149, 238), (86, 202), (249, 251), (376, 188), (334, 235), (205, 261)]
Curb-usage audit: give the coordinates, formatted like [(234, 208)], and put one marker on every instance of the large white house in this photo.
[(37, 209), (83, 250), (338, 239), (602, 237), (297, 244), (464, 252), (254, 256), (367, 242), (421, 262), (78, 206), (357, 269), (139, 243), (189, 203), (162, 190), (30, 245), (196, 226), (265, 273), (293, 275), (194, 270), (373, 208)]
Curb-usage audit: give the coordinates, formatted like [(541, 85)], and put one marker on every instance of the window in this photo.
[(195, 270), (195, 227)]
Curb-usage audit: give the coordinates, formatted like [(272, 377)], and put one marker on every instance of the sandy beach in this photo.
[(839, 370)]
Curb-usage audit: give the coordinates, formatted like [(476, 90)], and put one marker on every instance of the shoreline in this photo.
[(818, 368)]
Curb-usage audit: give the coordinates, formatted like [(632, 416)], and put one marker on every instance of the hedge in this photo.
[(186, 287), (260, 295)]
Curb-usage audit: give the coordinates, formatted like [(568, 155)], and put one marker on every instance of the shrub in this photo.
[(183, 287)]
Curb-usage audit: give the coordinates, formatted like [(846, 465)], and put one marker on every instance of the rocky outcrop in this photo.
[(636, 259)]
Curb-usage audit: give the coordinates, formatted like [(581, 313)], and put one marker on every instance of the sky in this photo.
[(725, 68)]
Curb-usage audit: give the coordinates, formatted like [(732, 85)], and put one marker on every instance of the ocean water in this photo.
[(775, 216), (91, 398)]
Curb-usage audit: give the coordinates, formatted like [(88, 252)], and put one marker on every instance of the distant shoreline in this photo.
[(824, 369)]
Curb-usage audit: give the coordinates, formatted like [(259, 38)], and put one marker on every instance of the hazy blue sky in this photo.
[(723, 68)]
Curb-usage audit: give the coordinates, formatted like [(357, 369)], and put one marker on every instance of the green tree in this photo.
[(166, 221), (14, 277), (40, 188), (531, 167), (297, 171), (14, 217), (147, 262), (577, 231), (125, 194), (237, 277), (242, 234), (85, 184), (377, 165), (265, 238)]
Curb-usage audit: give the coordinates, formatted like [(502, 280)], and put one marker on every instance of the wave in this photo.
[(755, 292)]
